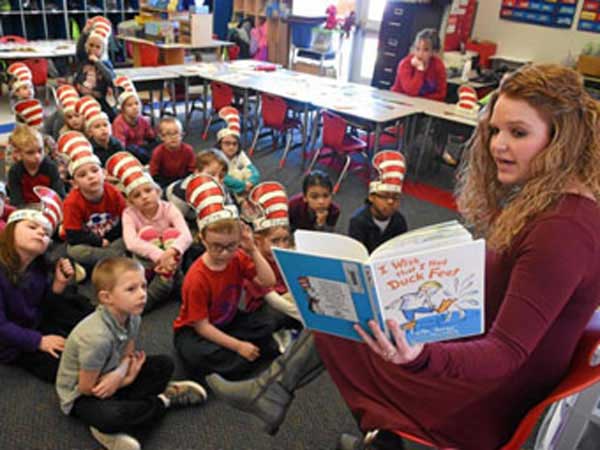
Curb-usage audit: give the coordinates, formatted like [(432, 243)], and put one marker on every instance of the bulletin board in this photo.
[(589, 18), (555, 14)]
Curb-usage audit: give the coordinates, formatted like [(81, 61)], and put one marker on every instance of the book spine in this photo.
[(373, 299)]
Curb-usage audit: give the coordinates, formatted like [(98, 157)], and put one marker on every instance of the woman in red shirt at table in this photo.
[(422, 73), (531, 188)]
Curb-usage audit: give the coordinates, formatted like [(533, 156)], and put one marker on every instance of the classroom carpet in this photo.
[(30, 418)]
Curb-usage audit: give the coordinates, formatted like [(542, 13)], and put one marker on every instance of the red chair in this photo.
[(275, 116), (39, 72), (581, 375), (233, 52), (338, 143), (222, 95), (12, 38)]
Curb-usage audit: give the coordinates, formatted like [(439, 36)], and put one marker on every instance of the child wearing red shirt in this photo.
[(173, 159), (93, 208), (211, 335)]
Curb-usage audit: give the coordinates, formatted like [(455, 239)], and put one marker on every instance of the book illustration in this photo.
[(446, 303), (329, 298)]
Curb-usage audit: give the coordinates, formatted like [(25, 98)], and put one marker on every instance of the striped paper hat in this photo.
[(467, 100), (91, 110), (271, 202), (19, 75), (101, 29), (391, 168), (127, 89), (205, 195), (29, 112), (128, 170), (76, 150), (67, 97), (49, 216), (231, 116)]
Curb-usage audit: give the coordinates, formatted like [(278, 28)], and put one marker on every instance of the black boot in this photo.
[(269, 395), (378, 440)]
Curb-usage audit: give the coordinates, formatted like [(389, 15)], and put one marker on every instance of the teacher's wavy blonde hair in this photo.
[(500, 212)]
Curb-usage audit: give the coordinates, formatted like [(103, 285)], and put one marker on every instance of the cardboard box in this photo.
[(589, 65), (201, 29)]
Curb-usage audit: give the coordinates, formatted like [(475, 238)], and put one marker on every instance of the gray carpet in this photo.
[(30, 417)]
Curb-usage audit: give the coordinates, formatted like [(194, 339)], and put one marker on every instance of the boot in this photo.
[(269, 395), (374, 440)]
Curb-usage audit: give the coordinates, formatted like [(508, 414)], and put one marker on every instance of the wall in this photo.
[(529, 42)]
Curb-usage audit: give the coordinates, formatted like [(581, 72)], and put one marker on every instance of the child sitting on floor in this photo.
[(70, 119), (93, 208), (242, 175), (173, 159), (131, 128), (379, 219), (313, 208), (20, 82), (154, 230), (211, 334), (103, 380), (94, 75), (33, 169)]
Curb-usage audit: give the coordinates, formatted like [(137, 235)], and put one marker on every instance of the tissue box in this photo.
[(589, 65)]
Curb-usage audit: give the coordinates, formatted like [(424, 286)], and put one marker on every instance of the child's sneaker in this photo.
[(80, 273), (116, 441), (283, 338), (185, 393)]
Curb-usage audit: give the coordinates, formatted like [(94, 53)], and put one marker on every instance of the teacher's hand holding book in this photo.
[(401, 353)]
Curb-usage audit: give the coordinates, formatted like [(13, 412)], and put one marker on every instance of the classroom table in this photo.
[(169, 54), (37, 49)]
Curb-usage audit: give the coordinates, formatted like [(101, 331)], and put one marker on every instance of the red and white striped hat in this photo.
[(231, 116), (67, 97), (20, 75), (467, 100), (49, 216), (271, 202), (29, 112), (76, 150), (128, 170), (91, 110), (127, 88), (101, 29), (205, 195), (391, 168)]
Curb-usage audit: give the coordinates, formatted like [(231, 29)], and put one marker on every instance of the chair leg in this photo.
[(254, 140), (336, 188), (205, 134), (313, 161), (288, 143)]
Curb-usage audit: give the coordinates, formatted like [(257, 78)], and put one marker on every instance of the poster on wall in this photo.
[(556, 14), (589, 18)]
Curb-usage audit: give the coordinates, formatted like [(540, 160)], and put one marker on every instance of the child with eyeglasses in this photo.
[(379, 219), (173, 159), (212, 335)]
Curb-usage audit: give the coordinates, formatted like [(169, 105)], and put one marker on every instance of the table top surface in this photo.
[(37, 49), (212, 44)]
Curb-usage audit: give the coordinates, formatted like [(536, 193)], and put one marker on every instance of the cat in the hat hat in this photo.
[(20, 82), (271, 229), (27, 293), (67, 98), (242, 175), (212, 290), (380, 218), (153, 229), (33, 167)]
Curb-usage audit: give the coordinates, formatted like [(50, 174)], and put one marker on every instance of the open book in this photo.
[(429, 280)]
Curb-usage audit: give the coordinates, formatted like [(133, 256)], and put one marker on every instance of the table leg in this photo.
[(173, 96), (377, 137), (428, 126), (245, 119), (205, 111), (186, 100), (305, 121)]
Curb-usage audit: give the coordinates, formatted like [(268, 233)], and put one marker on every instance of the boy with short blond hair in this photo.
[(102, 379), (33, 168), (211, 335), (173, 159)]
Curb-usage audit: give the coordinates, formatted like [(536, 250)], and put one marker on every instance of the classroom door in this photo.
[(364, 52)]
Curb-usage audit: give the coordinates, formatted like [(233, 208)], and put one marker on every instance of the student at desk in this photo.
[(422, 73)]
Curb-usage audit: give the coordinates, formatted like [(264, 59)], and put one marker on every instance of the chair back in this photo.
[(222, 95), (233, 52), (39, 70), (334, 130), (581, 375), (274, 111), (12, 38)]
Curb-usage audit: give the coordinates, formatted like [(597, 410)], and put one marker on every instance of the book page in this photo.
[(330, 244), (434, 295), (423, 237)]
